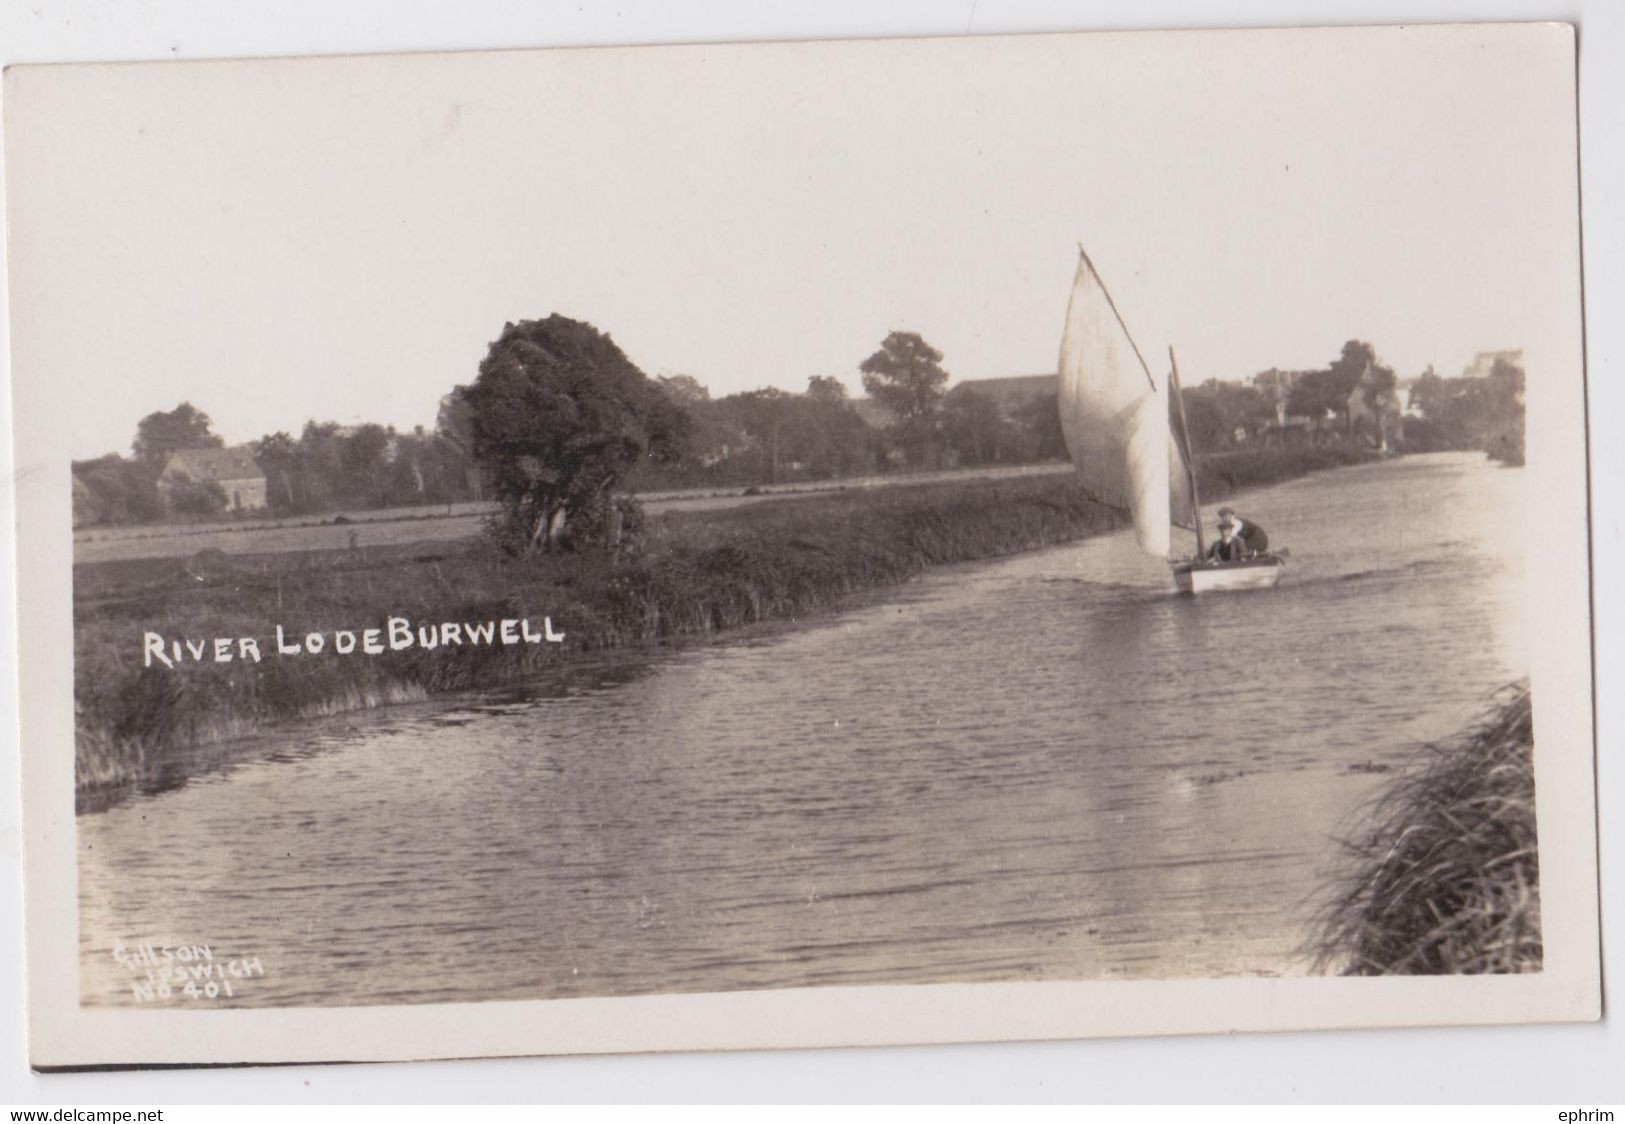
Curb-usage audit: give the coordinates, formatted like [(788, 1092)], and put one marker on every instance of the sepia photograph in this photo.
[(876, 541)]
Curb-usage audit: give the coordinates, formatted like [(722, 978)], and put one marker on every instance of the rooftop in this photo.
[(235, 463)]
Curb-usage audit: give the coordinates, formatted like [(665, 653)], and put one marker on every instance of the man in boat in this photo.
[(1252, 536), (1228, 547)]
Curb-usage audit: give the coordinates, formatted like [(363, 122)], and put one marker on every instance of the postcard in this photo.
[(798, 544)]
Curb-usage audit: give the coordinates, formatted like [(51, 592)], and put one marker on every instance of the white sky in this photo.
[(342, 238)]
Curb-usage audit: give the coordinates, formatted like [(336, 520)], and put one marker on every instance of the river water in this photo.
[(1044, 767)]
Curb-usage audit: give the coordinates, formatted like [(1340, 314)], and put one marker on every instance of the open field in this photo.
[(446, 523), (691, 573)]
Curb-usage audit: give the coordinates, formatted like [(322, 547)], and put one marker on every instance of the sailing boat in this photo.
[(1130, 453)]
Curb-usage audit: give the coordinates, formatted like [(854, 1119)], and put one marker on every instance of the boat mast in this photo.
[(1182, 432)]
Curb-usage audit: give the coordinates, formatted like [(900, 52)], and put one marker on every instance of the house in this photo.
[(234, 469)]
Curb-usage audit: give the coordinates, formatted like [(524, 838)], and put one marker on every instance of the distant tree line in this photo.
[(763, 436), (558, 420), (1358, 397), (328, 467), (1354, 395), (558, 392), (1471, 413), (772, 436)]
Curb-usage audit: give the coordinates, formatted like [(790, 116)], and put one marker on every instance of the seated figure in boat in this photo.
[(1252, 536), (1228, 547)]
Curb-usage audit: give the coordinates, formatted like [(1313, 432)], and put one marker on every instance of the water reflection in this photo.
[(1045, 767)]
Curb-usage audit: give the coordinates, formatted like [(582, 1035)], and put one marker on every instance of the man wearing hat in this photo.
[(1251, 536), (1227, 547)]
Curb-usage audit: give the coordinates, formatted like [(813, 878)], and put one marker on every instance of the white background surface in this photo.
[(1573, 1064)]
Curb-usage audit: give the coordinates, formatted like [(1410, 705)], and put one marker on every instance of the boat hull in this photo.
[(1228, 577)]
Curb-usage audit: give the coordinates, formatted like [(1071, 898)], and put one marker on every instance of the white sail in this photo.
[(1115, 417)]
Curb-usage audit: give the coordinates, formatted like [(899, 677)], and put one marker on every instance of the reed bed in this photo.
[(1222, 475), (1444, 879)]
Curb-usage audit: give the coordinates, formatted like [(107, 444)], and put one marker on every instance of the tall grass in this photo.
[(1445, 877), (1221, 475)]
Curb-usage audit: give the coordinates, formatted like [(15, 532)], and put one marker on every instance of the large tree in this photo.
[(768, 417), (1039, 420), (1209, 429), (1370, 376), (161, 433), (685, 389), (838, 440), (454, 434), (1472, 412), (321, 462), (364, 463), (559, 415), (1317, 393), (827, 389), (114, 490), (1221, 412), (454, 423), (906, 377), (974, 429), (277, 454), (778, 435)]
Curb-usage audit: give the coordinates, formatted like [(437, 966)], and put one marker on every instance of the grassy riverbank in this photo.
[(1445, 878), (691, 574)]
